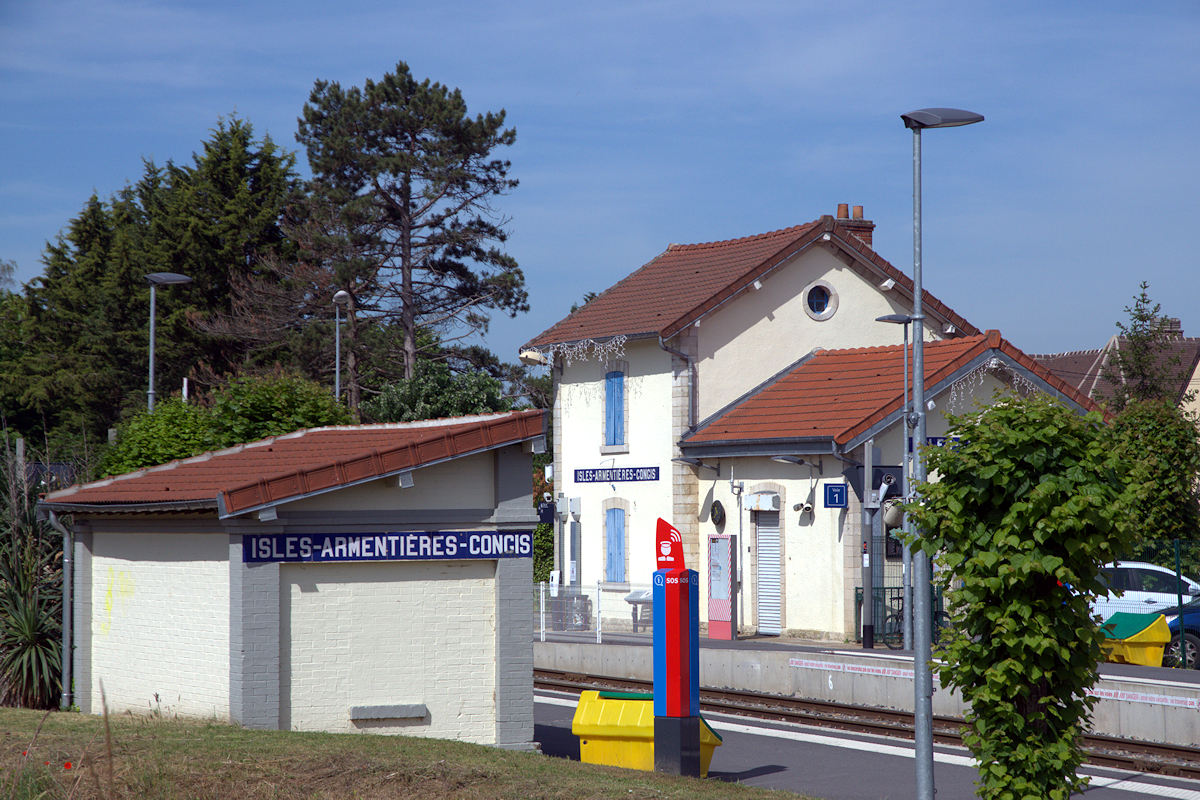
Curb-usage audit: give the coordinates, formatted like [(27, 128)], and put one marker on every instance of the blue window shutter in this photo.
[(614, 529), (614, 408)]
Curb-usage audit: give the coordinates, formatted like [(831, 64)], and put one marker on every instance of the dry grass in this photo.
[(150, 757)]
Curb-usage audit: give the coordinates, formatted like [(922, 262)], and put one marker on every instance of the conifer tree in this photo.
[(412, 174)]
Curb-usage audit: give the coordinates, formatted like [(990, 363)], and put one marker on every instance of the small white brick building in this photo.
[(368, 578)]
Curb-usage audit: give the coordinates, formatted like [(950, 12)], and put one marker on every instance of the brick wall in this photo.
[(159, 621), (385, 634)]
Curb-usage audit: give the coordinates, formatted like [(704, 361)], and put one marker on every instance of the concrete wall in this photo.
[(159, 619), (1129, 707)]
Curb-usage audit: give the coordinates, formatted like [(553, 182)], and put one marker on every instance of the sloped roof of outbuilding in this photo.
[(687, 281), (312, 461), (837, 396)]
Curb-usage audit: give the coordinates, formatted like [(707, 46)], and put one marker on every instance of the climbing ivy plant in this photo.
[(1020, 514)]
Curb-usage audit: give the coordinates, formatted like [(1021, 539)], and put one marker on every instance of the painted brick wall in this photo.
[(160, 623), (382, 634)]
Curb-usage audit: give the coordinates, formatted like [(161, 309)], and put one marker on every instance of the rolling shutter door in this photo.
[(769, 616)]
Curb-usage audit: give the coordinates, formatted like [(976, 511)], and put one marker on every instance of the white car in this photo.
[(1145, 588)]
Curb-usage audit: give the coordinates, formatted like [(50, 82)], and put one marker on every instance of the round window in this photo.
[(820, 300)]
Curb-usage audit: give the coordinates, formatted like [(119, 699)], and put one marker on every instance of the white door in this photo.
[(767, 530)]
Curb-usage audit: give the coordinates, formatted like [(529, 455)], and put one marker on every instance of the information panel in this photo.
[(397, 546)]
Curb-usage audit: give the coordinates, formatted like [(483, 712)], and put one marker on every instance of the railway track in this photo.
[(1158, 759)]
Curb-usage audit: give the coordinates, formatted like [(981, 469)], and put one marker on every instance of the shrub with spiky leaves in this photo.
[(30, 595), (1023, 512)]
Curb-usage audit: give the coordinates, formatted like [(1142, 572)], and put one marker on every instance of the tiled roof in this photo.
[(1084, 369), (836, 395), (688, 280), (286, 467)]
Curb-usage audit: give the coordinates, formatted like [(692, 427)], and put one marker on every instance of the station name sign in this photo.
[(399, 546), (616, 474)]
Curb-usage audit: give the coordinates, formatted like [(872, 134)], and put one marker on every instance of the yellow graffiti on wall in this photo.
[(118, 591)]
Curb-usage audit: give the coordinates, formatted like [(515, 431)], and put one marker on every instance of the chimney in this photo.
[(855, 224)]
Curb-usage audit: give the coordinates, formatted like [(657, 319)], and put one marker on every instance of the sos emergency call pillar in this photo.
[(677, 672)]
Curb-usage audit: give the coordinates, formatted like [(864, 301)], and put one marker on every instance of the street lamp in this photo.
[(906, 481), (342, 298), (923, 683), (157, 279)]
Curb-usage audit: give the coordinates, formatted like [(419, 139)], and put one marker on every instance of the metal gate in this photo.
[(767, 531)]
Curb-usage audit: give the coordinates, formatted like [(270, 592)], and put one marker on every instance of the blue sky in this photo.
[(645, 123)]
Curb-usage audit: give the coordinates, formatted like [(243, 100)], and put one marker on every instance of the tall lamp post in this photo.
[(157, 279), (906, 480), (340, 299), (917, 121)]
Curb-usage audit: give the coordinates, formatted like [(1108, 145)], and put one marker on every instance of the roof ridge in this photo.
[(1089, 351), (793, 229), (879, 348)]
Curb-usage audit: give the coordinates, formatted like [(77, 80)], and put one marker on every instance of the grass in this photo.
[(153, 757)]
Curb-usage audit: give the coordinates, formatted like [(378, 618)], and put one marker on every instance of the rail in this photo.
[(1159, 759)]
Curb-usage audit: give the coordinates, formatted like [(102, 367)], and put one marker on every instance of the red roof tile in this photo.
[(689, 280), (839, 394), (314, 460)]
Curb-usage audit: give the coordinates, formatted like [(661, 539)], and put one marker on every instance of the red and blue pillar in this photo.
[(677, 671)]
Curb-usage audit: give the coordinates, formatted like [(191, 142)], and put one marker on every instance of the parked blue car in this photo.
[(1191, 635)]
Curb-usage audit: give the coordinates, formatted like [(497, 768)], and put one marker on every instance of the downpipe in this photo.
[(66, 655)]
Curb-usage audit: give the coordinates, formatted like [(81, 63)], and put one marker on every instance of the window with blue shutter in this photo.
[(614, 408), (614, 534)]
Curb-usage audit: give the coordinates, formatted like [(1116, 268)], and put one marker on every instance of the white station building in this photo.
[(366, 578), (733, 388)]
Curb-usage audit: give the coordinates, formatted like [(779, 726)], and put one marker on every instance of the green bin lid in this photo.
[(1124, 624)]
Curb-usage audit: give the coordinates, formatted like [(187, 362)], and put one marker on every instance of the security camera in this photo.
[(803, 508), (889, 478), (547, 496)]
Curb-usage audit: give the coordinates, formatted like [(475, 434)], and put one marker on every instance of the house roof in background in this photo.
[(1085, 369), (837, 395), (689, 280), (297, 464)]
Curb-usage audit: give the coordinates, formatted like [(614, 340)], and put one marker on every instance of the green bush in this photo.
[(244, 410), (434, 392), (543, 552), (247, 409), (173, 430), (1025, 509)]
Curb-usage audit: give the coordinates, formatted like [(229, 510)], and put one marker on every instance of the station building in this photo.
[(732, 388), (360, 578)]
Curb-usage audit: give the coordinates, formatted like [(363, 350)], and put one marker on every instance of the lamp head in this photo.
[(341, 298), (940, 118), (166, 278), (898, 319)]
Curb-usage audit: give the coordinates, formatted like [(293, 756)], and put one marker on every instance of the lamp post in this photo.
[(917, 121), (157, 279), (341, 298), (906, 482)]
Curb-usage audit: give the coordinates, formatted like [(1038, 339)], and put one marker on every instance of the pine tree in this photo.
[(412, 176), (1141, 366)]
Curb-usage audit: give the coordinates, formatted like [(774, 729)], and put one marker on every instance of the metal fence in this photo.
[(889, 614), (598, 609)]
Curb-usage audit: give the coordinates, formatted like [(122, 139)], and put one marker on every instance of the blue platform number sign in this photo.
[(835, 495)]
